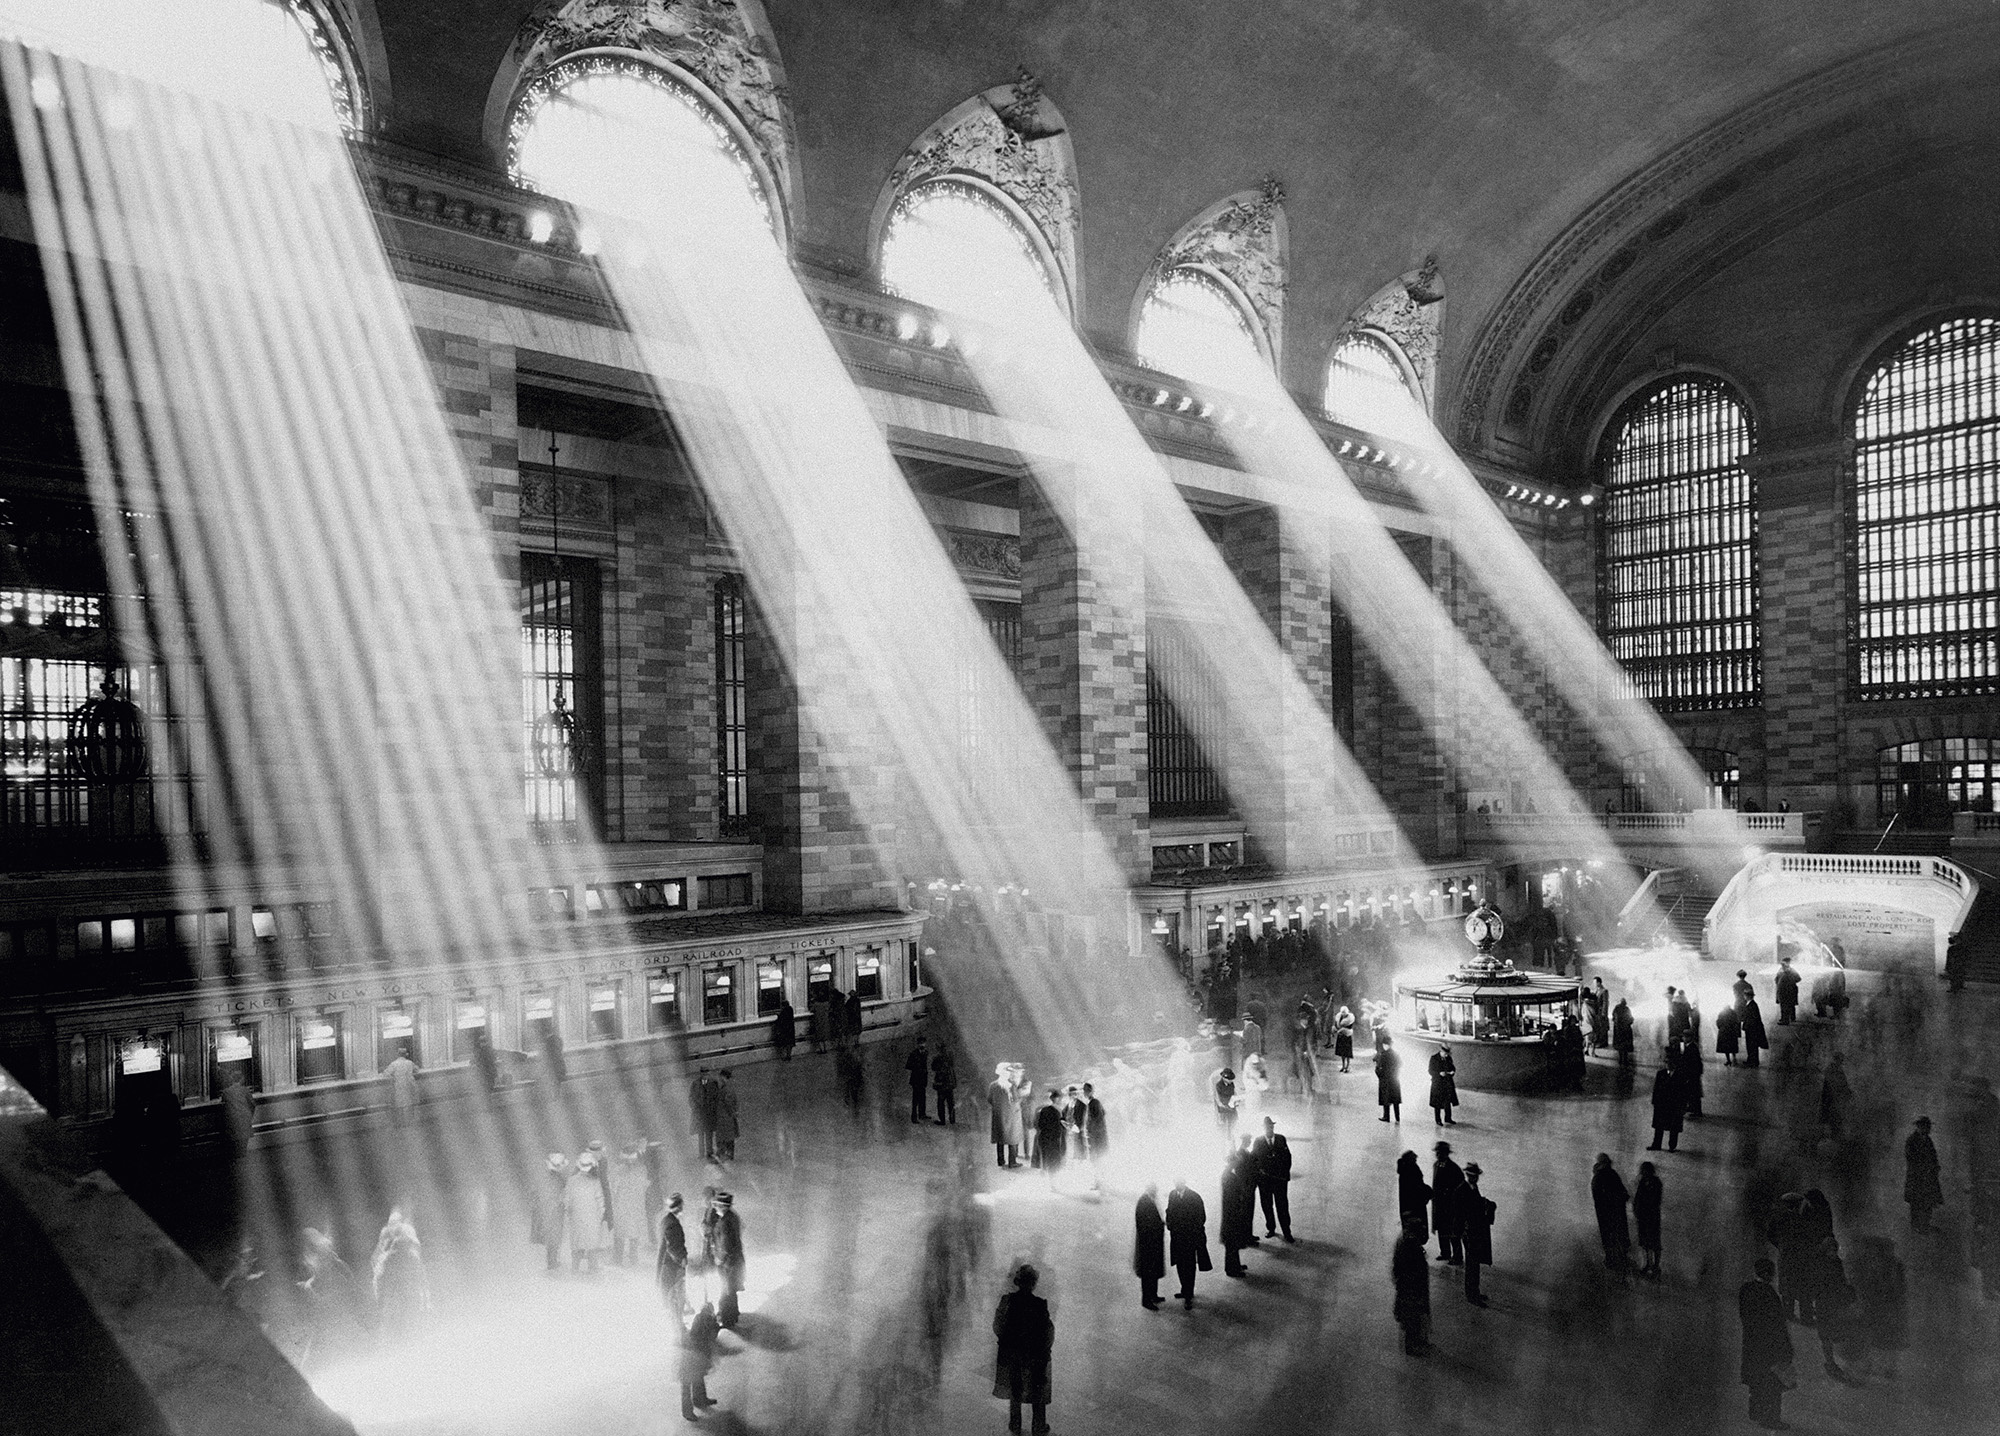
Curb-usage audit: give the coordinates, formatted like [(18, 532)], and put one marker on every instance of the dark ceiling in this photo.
[(1483, 130)]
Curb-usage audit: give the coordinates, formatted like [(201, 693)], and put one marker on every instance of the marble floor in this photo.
[(877, 1249)]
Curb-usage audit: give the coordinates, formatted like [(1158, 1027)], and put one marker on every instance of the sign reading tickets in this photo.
[(1872, 937)]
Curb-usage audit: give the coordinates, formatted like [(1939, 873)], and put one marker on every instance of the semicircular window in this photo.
[(955, 247), (1927, 516), (1367, 389), (1194, 328)]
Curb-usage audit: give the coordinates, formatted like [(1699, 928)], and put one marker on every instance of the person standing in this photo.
[(1187, 1237), (726, 1258), (1475, 1222), (1621, 1031), (549, 1217), (671, 1268), (727, 1128), (402, 1289), (1051, 1137), (1239, 1206), (855, 1022), (1223, 1098), (1788, 991), (1767, 1345), (1149, 1246), (1754, 1038), (1666, 1106), (918, 1065), (1446, 1180), (1600, 1016), (785, 1031), (1444, 1087), (1095, 1125), (1024, 1098), (1687, 1068), (944, 1082), (1027, 1339), (1413, 1193), (1921, 1187), (697, 1358), (820, 1011), (1271, 1161), (583, 1210), (1608, 1195), (402, 1075), (628, 1182), (1410, 1272), (1003, 1118), (701, 1112), (1740, 991), (1343, 1037), (1388, 1078), (1728, 1035), (1646, 1198), (1679, 1017)]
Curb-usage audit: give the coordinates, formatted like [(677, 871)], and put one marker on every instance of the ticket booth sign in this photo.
[(233, 1059), (137, 1059)]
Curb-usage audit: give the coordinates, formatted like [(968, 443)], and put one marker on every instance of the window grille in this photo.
[(1192, 327), (1926, 507), (1677, 567), (987, 759), (1929, 780), (562, 672), (1181, 782), (732, 719), (1367, 389)]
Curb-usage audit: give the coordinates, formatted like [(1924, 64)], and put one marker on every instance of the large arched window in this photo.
[(955, 246), (574, 121), (1678, 565), (301, 57), (1194, 327), (1928, 780), (1368, 388), (1927, 516)]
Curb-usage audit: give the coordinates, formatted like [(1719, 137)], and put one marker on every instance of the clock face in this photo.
[(1484, 925)]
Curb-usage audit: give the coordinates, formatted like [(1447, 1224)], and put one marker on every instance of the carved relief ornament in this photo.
[(1245, 240), (1409, 310), (1013, 138), (726, 45)]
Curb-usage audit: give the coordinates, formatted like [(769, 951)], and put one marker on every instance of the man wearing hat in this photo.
[(673, 1264), (725, 1255), (1475, 1222), (1921, 1188), (1222, 1092), (1447, 1181)]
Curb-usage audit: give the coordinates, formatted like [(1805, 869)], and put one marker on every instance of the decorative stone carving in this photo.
[(1012, 137), (726, 44), (1410, 310), (573, 498), (1243, 238), (982, 552)]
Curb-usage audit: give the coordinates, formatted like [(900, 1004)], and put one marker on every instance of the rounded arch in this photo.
[(352, 28), (702, 103), (1011, 144), (1243, 243), (729, 59), (1226, 292), (1850, 384), (1371, 384), (1627, 396), (1011, 230)]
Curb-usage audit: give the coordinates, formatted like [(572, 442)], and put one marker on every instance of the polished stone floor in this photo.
[(877, 1249)]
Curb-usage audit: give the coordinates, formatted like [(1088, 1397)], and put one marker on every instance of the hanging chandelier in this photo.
[(107, 737)]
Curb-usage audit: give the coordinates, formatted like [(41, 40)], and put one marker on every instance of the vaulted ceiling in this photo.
[(1579, 166)]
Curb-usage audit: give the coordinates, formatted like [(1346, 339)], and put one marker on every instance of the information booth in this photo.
[(1494, 1019)]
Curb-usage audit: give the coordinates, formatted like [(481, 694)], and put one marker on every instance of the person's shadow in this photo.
[(765, 1333)]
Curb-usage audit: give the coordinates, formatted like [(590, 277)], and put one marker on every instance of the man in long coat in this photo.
[(1767, 1345), (725, 1255), (1149, 1246), (702, 1095), (671, 1268), (1921, 1188), (1446, 1179), (1187, 1237), (944, 1082), (1239, 1206), (1475, 1220), (918, 1065), (1027, 1338), (1410, 1271), (1608, 1195), (1051, 1136), (1271, 1164), (1666, 1107), (1788, 991), (1444, 1086), (1755, 1039), (1004, 1120)]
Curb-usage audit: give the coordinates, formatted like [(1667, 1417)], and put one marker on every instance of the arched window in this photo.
[(1927, 516), (1677, 571), (574, 121), (954, 246), (1368, 388), (1193, 327)]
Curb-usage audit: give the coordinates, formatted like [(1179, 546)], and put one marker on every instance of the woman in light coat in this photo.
[(583, 1210), (629, 1181)]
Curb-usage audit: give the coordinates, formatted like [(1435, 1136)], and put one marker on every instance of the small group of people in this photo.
[(1452, 1205), (933, 1072), (1610, 1197), (1070, 1123), (712, 1114), (1677, 1093), (1231, 1095), (596, 1203), (719, 1263), (1740, 1026)]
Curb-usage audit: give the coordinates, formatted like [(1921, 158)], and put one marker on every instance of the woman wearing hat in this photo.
[(583, 1209)]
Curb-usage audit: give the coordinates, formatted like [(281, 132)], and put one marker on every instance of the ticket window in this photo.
[(663, 1001), (398, 1037), (471, 1026), (604, 1026), (144, 1075), (538, 1021), (770, 988), (819, 980), (916, 969), (232, 1058), (868, 976), (320, 1058), (718, 996)]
